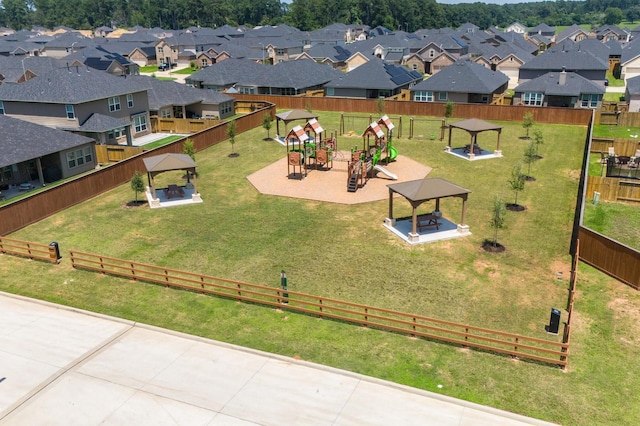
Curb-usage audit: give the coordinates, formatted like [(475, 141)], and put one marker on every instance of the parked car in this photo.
[(165, 66)]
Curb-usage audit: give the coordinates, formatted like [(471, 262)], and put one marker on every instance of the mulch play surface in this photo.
[(330, 185)]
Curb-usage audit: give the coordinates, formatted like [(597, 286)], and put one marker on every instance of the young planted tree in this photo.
[(267, 123), (517, 184), (530, 157), (137, 184), (538, 139), (496, 222), (449, 108), (380, 105), (527, 122), (231, 133), (189, 148)]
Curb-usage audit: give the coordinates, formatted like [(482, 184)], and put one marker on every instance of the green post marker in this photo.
[(283, 284)]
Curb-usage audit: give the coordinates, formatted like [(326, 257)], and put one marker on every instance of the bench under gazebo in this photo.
[(418, 192), (473, 126)]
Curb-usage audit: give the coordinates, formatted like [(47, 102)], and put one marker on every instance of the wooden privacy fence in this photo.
[(181, 125), (609, 256), (115, 153), (614, 189), (515, 345), (48, 253), (575, 116), (621, 146)]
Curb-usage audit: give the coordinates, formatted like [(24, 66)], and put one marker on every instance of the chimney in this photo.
[(562, 77)]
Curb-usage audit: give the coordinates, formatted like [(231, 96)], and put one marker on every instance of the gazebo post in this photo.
[(498, 152), (414, 220), (463, 228)]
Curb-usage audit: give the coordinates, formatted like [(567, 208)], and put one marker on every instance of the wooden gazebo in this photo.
[(166, 162), (420, 191), (474, 126)]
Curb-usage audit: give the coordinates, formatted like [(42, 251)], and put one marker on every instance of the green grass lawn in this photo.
[(614, 82), (186, 71), (619, 221), (162, 142), (343, 252), (148, 69), (613, 97), (606, 131)]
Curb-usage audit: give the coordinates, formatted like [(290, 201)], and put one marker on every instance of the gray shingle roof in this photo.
[(376, 74), (23, 141), (163, 93), (549, 84), (228, 72), (102, 123), (633, 85), (554, 60), (464, 77), (73, 85)]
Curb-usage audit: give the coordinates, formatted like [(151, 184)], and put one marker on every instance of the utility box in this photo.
[(54, 251)]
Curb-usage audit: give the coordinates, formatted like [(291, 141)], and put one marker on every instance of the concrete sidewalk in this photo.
[(61, 366)]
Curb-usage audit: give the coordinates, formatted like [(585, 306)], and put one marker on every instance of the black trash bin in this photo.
[(54, 251), (554, 322)]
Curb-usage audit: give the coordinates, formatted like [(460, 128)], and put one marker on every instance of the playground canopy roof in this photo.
[(386, 122), (314, 126), (374, 129), (293, 115)]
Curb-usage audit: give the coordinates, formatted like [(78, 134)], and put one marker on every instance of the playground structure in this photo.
[(306, 148), (366, 161)]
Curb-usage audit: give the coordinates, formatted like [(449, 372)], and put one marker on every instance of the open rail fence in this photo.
[(540, 350), (48, 253)]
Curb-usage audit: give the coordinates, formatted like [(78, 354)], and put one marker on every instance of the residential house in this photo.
[(143, 56), (632, 93), (574, 33), (607, 33), (246, 76), (568, 58), (82, 100), (102, 31), (168, 99), (630, 60), (67, 42), (372, 80), (560, 89), (17, 69), (31, 152), (330, 54), (102, 59), (516, 27), (543, 30), (463, 82)]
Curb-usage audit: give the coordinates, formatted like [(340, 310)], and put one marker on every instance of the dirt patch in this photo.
[(489, 247), (561, 270), (515, 207), (134, 204)]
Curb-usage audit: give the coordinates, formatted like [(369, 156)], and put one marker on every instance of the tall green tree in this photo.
[(137, 183), (16, 14), (613, 16)]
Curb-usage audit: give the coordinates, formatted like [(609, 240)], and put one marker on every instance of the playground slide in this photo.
[(386, 172), (393, 153)]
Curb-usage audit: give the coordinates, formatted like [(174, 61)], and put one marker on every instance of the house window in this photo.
[(414, 67), (1, 108), (71, 114), (280, 52), (432, 53), (589, 100), (330, 91), (442, 96), (226, 108), (114, 103), (247, 90), (204, 62), (140, 123), (165, 113), (532, 99), (79, 157), (422, 96), (129, 100)]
